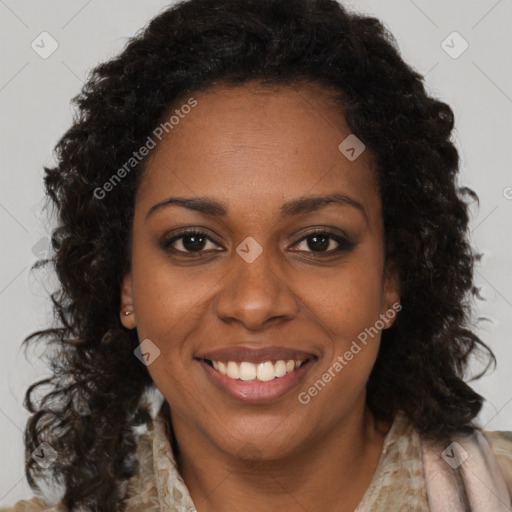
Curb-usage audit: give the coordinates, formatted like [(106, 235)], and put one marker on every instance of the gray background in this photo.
[(35, 111)]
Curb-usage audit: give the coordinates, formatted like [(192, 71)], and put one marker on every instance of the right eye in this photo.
[(187, 242)]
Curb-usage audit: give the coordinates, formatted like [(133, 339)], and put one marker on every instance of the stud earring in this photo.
[(128, 313)]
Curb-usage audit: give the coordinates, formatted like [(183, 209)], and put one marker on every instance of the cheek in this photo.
[(348, 308), (166, 297), (347, 304), (346, 300)]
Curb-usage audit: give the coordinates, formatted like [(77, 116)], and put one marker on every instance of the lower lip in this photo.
[(256, 391)]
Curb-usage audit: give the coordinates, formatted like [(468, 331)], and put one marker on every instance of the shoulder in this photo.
[(33, 505), (501, 446)]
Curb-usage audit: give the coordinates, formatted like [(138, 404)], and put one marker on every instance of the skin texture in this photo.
[(255, 148)]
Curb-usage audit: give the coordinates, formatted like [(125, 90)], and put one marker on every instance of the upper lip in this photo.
[(255, 355)]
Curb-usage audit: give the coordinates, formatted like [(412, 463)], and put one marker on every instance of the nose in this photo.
[(256, 294)]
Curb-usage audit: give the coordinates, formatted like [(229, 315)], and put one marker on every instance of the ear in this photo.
[(391, 295), (127, 312)]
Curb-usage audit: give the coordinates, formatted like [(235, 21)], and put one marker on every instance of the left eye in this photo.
[(321, 241)]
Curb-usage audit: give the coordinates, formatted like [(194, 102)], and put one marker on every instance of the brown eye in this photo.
[(187, 242), (318, 242), (325, 242)]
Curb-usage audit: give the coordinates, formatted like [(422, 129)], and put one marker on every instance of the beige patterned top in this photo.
[(398, 483)]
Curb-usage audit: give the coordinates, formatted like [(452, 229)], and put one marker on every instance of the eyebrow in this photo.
[(299, 206)]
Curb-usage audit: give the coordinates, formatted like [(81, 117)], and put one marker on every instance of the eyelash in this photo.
[(344, 244)]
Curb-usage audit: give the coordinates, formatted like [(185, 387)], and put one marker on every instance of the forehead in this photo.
[(256, 145)]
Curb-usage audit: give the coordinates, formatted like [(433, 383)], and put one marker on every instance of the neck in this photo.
[(331, 473)]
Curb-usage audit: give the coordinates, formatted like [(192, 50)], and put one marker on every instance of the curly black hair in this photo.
[(97, 384)]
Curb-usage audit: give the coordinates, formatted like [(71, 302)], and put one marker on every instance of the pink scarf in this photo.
[(464, 476)]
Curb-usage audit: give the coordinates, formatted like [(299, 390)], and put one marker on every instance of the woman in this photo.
[(265, 273)]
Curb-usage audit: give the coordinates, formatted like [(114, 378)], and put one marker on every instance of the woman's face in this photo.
[(256, 286)]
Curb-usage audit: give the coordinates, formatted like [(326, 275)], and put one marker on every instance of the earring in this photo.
[(128, 313)]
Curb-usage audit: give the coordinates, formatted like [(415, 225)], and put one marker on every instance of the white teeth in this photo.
[(280, 368), (247, 371), (233, 370), (264, 372)]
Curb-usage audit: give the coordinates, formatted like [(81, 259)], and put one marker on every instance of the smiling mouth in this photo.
[(263, 372)]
